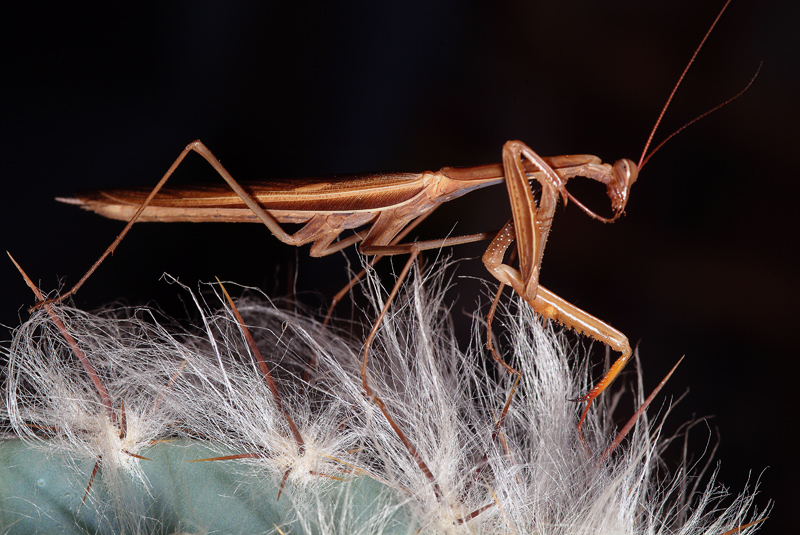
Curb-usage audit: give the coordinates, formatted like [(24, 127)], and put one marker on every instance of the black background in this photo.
[(704, 264)]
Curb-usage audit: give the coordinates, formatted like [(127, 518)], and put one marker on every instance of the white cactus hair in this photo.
[(533, 474), (54, 406)]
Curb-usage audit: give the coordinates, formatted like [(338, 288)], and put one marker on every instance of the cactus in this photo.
[(198, 394)]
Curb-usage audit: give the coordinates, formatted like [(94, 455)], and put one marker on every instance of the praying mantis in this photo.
[(387, 205), (381, 209)]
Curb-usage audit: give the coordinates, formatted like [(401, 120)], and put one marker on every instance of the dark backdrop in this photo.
[(703, 265)]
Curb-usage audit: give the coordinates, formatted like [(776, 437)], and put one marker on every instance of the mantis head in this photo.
[(623, 174)]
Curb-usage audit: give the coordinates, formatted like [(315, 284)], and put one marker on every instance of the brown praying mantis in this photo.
[(376, 211), (387, 205)]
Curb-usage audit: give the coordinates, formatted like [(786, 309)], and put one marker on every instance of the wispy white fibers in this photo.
[(345, 470), (53, 404), (223, 395)]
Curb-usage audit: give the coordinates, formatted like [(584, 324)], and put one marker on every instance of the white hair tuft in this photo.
[(348, 472)]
